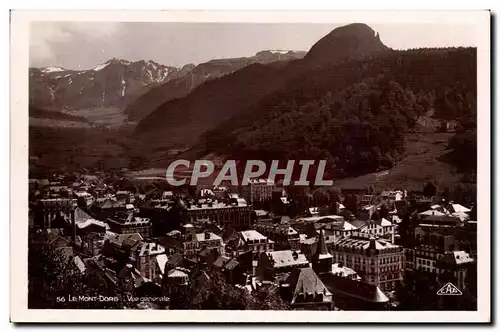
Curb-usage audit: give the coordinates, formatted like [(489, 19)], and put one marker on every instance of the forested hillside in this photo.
[(354, 113)]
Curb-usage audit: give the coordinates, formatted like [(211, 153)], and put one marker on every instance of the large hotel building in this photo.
[(238, 215), (377, 261), (258, 190)]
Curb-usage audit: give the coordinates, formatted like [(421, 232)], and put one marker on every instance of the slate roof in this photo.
[(457, 258), (431, 213), (325, 219), (384, 222), (175, 273), (305, 281), (344, 271), (363, 243), (460, 208), (200, 237), (355, 224), (221, 261), (231, 264), (120, 238), (150, 248), (355, 289), (322, 251), (283, 258), (252, 235), (161, 260), (175, 260)]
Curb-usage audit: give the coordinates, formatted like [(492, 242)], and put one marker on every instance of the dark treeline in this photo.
[(355, 113)]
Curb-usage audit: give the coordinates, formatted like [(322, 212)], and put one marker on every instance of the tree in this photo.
[(321, 196), (334, 194), (351, 203), (217, 294), (51, 283), (384, 211), (371, 189), (446, 193), (430, 189), (267, 298)]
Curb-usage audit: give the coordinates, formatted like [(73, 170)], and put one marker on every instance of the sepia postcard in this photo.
[(250, 166)]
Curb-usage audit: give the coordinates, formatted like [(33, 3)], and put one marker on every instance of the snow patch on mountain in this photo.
[(101, 67), (164, 75), (123, 87), (279, 51), (52, 69)]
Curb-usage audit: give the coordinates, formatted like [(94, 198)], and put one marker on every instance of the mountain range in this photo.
[(183, 85), (113, 83), (136, 88), (183, 121), (351, 100)]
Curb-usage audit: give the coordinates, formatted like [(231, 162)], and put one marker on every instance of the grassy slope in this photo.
[(423, 162)]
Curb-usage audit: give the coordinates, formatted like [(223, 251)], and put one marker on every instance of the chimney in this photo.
[(372, 243), (207, 235)]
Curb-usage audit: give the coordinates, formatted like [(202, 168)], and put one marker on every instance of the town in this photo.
[(264, 245)]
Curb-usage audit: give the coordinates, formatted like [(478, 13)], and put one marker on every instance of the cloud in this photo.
[(49, 39), (83, 45)]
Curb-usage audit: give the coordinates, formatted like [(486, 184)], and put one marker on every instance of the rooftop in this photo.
[(327, 218), (305, 282), (119, 238), (284, 258), (261, 181), (150, 248), (176, 273), (355, 289), (344, 271), (361, 242), (161, 260), (460, 208), (457, 258), (200, 237), (216, 205), (252, 235)]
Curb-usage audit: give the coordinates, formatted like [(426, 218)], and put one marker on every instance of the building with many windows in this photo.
[(253, 241), (377, 261), (196, 242), (50, 208), (237, 214), (258, 190), (127, 223), (429, 249), (283, 235)]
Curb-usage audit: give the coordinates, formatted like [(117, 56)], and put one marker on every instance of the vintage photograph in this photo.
[(271, 166)]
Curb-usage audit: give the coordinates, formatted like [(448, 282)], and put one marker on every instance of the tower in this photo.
[(322, 260)]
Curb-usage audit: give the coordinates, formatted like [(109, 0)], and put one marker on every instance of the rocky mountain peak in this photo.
[(350, 41)]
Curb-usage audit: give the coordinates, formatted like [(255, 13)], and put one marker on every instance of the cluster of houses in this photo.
[(323, 258)]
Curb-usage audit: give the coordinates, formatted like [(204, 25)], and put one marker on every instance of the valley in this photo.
[(350, 100)]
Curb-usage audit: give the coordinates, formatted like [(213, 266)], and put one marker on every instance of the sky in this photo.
[(84, 45)]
